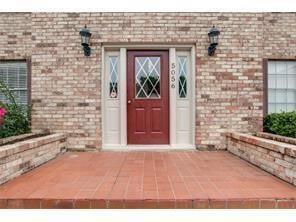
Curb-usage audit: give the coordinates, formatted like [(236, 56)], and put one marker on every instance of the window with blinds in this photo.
[(14, 74)]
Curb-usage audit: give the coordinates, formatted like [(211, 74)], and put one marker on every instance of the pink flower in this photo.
[(2, 112)]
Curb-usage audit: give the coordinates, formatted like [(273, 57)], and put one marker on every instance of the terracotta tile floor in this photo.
[(183, 179)]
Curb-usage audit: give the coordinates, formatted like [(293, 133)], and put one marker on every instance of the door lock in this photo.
[(129, 102)]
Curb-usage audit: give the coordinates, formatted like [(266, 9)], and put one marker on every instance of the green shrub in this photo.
[(16, 120), (283, 124)]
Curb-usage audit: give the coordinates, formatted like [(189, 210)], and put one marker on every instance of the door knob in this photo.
[(129, 102)]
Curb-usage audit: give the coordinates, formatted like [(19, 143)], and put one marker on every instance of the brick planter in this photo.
[(279, 138), (277, 158), (22, 137), (20, 157)]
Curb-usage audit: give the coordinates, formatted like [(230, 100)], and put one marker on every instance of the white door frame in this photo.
[(173, 50)]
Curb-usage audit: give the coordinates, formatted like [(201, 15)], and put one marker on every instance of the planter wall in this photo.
[(22, 137), (277, 158), (20, 157), (279, 138)]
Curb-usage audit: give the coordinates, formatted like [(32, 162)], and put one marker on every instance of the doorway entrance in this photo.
[(148, 96)]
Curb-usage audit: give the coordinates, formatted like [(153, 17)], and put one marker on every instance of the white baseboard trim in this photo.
[(153, 147)]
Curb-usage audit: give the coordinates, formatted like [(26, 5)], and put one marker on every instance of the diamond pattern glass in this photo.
[(113, 77), (182, 76), (147, 77)]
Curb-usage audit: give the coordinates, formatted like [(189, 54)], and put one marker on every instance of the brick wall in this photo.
[(277, 158), (280, 38), (15, 36), (21, 157), (229, 86)]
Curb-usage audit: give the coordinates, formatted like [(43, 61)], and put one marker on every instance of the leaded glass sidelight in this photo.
[(182, 76), (113, 77), (147, 76)]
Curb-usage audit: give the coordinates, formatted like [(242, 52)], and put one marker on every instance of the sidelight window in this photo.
[(113, 77), (182, 76)]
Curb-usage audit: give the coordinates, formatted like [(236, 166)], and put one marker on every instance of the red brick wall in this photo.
[(229, 86)]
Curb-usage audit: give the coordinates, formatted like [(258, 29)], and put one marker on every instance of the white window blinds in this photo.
[(14, 74)]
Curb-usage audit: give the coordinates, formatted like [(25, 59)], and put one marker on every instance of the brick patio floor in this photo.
[(183, 179)]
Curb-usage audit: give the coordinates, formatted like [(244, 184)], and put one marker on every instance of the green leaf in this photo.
[(16, 120), (283, 124)]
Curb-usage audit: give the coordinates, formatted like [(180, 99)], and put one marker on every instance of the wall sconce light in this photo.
[(85, 39), (214, 39)]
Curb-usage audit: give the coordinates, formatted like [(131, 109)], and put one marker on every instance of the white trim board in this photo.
[(148, 147), (117, 139), (148, 46)]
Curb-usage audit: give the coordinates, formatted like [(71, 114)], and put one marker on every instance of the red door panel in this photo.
[(156, 114), (147, 97), (140, 121)]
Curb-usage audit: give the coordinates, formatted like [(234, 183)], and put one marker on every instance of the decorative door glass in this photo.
[(182, 76), (113, 77), (147, 77)]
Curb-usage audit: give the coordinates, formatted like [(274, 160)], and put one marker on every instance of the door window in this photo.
[(147, 74)]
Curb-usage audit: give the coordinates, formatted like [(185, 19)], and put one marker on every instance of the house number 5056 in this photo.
[(173, 75)]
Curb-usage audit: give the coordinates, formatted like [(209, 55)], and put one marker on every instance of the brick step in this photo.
[(147, 204), (174, 179)]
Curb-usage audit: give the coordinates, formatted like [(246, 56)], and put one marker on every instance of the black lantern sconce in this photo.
[(214, 39), (85, 39)]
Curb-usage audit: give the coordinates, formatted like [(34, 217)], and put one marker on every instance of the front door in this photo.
[(147, 97)]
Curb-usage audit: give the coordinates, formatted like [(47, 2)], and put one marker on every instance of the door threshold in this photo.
[(153, 147)]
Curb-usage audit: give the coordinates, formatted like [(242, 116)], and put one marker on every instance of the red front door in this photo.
[(147, 97)]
